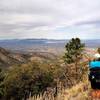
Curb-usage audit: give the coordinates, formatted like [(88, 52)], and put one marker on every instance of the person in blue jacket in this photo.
[(94, 75), (95, 62)]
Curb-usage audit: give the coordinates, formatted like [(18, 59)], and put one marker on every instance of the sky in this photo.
[(51, 19)]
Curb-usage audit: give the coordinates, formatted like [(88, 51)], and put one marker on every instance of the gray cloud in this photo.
[(27, 6), (27, 18), (92, 22)]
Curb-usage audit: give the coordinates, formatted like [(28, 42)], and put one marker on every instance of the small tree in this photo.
[(73, 53)]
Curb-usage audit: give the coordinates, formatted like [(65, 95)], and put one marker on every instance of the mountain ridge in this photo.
[(9, 58)]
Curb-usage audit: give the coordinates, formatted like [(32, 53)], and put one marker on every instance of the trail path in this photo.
[(95, 94)]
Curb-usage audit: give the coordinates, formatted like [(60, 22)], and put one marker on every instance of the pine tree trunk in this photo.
[(76, 69)]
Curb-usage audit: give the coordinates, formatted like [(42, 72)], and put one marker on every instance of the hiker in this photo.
[(97, 55), (94, 68)]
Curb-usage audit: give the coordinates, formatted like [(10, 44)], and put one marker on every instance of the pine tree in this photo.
[(73, 54)]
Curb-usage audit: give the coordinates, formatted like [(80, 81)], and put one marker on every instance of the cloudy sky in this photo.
[(56, 19)]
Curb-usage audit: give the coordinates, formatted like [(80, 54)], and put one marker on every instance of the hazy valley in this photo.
[(43, 45)]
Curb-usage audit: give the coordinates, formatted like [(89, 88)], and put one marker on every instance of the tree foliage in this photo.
[(21, 81), (73, 55), (2, 76), (73, 51)]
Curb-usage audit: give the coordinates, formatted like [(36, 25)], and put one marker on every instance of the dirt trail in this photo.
[(95, 94)]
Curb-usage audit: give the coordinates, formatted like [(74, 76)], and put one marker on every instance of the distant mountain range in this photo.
[(36, 44)]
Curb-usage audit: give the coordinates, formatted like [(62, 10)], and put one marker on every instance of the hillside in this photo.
[(9, 58), (81, 91)]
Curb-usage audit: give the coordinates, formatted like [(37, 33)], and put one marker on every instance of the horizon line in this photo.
[(44, 39)]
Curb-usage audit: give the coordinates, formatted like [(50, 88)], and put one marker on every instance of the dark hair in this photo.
[(98, 59), (98, 50)]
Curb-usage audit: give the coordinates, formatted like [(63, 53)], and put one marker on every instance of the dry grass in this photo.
[(78, 92)]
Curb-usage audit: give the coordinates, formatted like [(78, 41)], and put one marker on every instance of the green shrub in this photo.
[(2, 76), (21, 81)]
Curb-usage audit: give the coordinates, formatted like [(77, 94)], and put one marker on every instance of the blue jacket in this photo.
[(94, 64)]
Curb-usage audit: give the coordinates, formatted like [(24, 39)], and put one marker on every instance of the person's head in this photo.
[(98, 50), (97, 57)]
